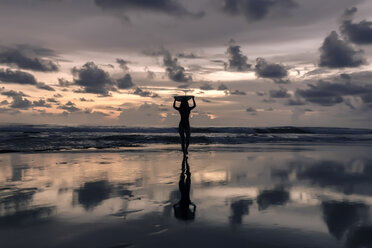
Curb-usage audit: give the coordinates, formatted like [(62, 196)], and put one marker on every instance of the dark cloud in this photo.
[(251, 110), (20, 103), (222, 87), (174, 71), (86, 100), (295, 102), (64, 83), (270, 70), (206, 86), (93, 79), (237, 60), (255, 10), (12, 93), (21, 77), (281, 81), (188, 56), (358, 33), (237, 92), (125, 82), (9, 111), (150, 74), (123, 64), (349, 13), (70, 107), (337, 53), (144, 93), (18, 77), (57, 95), (281, 93), (41, 103), (169, 7), (44, 86), (328, 94), (4, 102), (24, 57), (155, 52), (52, 100)]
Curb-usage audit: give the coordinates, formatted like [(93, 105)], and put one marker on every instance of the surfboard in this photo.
[(179, 98)]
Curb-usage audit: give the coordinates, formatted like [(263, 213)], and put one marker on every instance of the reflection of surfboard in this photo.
[(179, 98)]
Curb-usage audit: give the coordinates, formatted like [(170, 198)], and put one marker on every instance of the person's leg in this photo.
[(187, 131), (181, 131)]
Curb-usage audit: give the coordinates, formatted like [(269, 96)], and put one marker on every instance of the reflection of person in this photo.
[(184, 126), (182, 209)]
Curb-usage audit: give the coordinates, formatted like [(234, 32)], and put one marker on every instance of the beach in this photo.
[(259, 195)]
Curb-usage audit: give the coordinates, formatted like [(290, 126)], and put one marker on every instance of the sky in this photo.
[(250, 63)]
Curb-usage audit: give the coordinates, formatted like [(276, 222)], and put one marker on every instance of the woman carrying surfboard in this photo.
[(184, 126)]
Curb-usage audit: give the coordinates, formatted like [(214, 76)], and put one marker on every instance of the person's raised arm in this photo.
[(174, 105), (193, 100)]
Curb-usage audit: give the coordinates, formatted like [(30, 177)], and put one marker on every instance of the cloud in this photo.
[(21, 77), (12, 93), (237, 60), (251, 110), (281, 93), (125, 82), (52, 100), (93, 79), (255, 10), (222, 87), (44, 86), (295, 102), (41, 103), (20, 103), (174, 71), (188, 56), (326, 93), (144, 93), (206, 86), (26, 57), (337, 53), (168, 7), (281, 81), (155, 52), (123, 64), (69, 107), (149, 74), (147, 114), (237, 92), (359, 33), (18, 77), (82, 99), (270, 70), (64, 83)]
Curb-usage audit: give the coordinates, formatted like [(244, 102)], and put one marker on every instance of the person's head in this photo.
[(184, 103)]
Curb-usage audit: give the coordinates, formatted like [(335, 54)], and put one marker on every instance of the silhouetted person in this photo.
[(182, 208), (184, 127)]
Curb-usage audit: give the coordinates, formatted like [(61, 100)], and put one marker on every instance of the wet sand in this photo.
[(251, 196)]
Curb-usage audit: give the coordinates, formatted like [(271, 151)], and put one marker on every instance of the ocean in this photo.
[(116, 187), (44, 138)]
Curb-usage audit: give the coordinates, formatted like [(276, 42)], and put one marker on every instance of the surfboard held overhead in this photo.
[(179, 98)]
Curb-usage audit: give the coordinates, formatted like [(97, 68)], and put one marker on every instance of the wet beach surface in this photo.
[(257, 196)]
